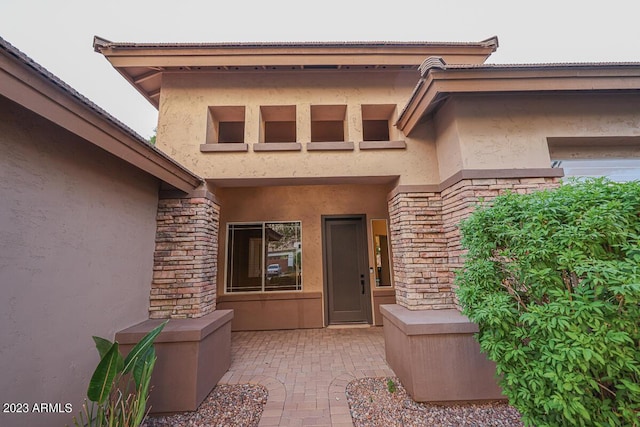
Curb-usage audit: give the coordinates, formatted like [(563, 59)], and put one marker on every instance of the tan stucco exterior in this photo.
[(468, 132), (185, 99), (77, 229), (453, 121), (80, 222), (512, 131), (79, 195), (305, 204)]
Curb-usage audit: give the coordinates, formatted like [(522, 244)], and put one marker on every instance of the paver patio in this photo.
[(306, 371)]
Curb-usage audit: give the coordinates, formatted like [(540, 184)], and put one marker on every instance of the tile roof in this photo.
[(545, 65), (26, 60), (101, 42), (437, 64)]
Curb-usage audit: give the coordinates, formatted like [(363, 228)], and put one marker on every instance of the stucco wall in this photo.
[(77, 231), (448, 141), (185, 99), (305, 204), (511, 131)]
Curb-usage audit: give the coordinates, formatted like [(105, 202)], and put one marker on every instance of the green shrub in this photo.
[(119, 388), (553, 281)]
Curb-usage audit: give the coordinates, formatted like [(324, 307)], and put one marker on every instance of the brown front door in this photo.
[(346, 269)]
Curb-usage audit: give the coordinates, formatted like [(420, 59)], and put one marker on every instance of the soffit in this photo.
[(292, 181), (278, 113), (377, 111), (143, 64)]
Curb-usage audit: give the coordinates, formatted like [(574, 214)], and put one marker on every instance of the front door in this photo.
[(345, 270)]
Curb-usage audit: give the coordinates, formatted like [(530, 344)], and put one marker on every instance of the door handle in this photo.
[(362, 282)]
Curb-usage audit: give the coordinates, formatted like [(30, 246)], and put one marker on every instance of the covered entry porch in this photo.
[(299, 234)]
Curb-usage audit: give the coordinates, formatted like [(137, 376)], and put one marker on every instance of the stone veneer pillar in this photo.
[(460, 199), (425, 235), (419, 248), (427, 340), (194, 348), (185, 258), (429, 344)]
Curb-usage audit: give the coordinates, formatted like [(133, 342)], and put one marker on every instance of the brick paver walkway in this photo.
[(306, 371)]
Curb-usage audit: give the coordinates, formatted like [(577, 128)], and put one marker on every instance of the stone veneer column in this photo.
[(185, 258), (419, 249), (425, 236), (460, 200)]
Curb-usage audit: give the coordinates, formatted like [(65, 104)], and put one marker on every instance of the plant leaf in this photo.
[(102, 379), (103, 345), (140, 407), (138, 367), (142, 346)]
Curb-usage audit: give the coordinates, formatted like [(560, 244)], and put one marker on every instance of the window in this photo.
[(381, 252), (376, 122), (225, 125), (614, 157), (328, 123), (278, 123), (264, 257), (620, 170)]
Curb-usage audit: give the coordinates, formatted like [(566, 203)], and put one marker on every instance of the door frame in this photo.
[(365, 260)]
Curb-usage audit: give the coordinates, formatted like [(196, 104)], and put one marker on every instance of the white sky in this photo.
[(59, 34)]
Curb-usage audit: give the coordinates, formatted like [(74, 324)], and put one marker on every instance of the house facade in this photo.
[(336, 173), (302, 185)]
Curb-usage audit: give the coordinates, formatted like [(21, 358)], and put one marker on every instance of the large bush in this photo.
[(553, 281)]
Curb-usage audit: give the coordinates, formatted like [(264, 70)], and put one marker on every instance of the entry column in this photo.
[(429, 344), (185, 258), (194, 348), (419, 248)]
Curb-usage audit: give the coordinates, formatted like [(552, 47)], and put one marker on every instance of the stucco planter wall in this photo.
[(193, 354), (436, 357), (274, 311)]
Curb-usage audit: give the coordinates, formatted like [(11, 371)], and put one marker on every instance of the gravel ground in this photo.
[(372, 405), (227, 405)]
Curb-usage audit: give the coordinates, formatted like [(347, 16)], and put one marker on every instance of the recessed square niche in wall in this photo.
[(328, 123), (278, 123), (225, 124), (376, 121)]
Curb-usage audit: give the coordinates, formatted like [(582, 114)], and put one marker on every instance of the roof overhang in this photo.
[(440, 81), (30, 85), (287, 181), (143, 64)]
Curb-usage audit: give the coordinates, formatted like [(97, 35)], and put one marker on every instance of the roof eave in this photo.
[(130, 59), (438, 84), (30, 85), (101, 44)]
